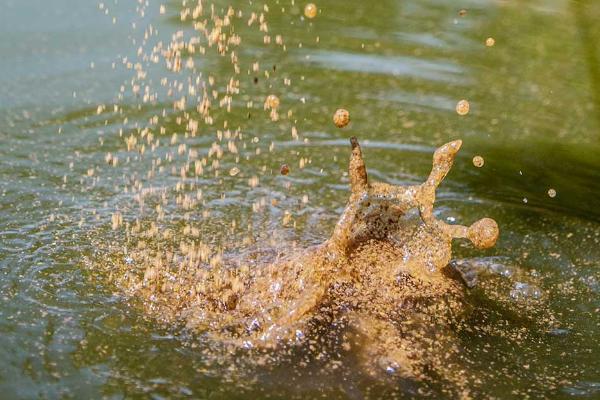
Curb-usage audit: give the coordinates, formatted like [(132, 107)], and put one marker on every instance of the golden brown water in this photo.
[(381, 291), (381, 284)]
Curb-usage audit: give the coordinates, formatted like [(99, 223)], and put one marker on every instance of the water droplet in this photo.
[(552, 193), (284, 170), (489, 42), (310, 11), (272, 102), (341, 118), (234, 171), (524, 290), (478, 161), (462, 107)]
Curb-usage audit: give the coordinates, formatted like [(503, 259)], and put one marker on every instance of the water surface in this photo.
[(399, 68)]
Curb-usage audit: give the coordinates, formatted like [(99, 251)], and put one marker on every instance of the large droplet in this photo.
[(478, 161), (341, 118), (462, 107), (310, 11)]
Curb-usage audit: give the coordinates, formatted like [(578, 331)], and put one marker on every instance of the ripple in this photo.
[(583, 389), (439, 71)]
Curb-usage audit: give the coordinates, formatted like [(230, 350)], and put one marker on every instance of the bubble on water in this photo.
[(501, 269), (522, 290), (341, 118), (583, 389), (310, 11), (560, 332), (478, 161), (552, 193), (489, 42), (462, 107)]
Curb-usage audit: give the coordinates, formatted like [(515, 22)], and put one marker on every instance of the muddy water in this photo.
[(400, 69)]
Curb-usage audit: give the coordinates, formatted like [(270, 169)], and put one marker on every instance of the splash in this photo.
[(380, 290), (381, 281)]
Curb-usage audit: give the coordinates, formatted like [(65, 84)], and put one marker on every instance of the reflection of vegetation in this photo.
[(586, 22)]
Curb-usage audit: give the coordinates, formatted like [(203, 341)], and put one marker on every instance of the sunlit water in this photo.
[(399, 68)]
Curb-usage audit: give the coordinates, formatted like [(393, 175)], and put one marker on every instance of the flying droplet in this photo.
[(462, 107), (478, 161), (552, 193), (341, 118), (117, 220), (284, 170), (272, 102), (489, 42), (310, 11), (234, 171)]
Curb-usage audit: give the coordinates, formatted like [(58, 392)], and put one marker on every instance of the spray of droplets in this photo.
[(189, 138), (188, 141)]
